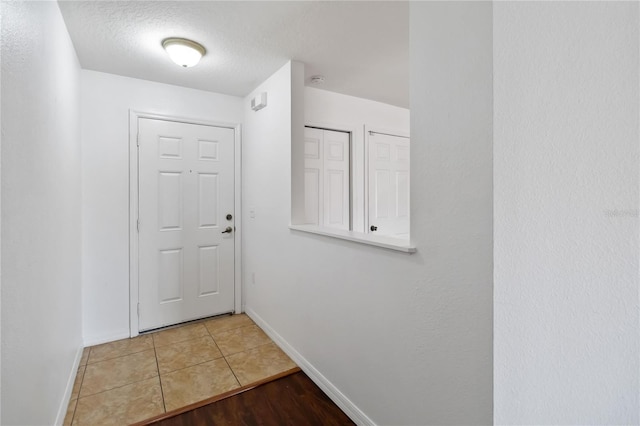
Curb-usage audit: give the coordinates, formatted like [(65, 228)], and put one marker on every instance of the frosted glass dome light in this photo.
[(183, 52)]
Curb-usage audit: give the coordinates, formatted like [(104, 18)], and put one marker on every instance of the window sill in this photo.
[(358, 237)]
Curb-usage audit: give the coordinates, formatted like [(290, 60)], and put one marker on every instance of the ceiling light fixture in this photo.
[(183, 52)]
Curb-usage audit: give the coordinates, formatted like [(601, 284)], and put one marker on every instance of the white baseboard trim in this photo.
[(62, 410), (350, 409), (92, 341)]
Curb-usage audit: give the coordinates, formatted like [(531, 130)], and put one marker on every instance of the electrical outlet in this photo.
[(252, 212)]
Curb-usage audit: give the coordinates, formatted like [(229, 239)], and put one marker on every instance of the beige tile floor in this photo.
[(133, 379)]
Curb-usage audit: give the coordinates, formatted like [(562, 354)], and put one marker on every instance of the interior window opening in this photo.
[(332, 194)]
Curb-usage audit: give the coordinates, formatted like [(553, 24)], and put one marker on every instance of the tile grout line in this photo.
[(250, 349), (212, 359), (184, 324), (222, 356), (74, 411), (234, 328), (118, 387), (246, 350), (128, 339), (237, 328), (203, 322), (193, 365), (232, 372), (181, 341), (164, 404), (201, 363), (84, 372), (119, 356)]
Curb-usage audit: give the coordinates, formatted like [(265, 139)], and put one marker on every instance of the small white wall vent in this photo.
[(259, 101)]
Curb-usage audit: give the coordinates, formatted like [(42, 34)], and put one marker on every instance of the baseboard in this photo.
[(92, 341), (350, 409), (62, 410)]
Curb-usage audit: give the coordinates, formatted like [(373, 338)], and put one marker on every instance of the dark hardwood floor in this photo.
[(291, 400)]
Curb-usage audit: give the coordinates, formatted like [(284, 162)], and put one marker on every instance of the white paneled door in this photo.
[(388, 180), (186, 229), (327, 178)]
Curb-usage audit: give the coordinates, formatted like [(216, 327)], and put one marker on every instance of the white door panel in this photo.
[(186, 189), (388, 170), (313, 182), (336, 179), (327, 178)]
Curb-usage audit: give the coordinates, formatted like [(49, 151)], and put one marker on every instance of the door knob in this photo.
[(374, 228), (228, 230)]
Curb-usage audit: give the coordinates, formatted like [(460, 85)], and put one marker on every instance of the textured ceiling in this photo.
[(361, 47)]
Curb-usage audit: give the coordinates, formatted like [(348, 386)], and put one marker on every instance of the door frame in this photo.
[(134, 296)]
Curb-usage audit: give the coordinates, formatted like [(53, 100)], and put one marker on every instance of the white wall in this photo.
[(567, 346), (41, 231), (330, 107), (106, 100), (334, 110), (407, 339)]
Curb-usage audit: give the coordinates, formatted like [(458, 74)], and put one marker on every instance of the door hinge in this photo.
[(138, 225), (138, 139), (138, 309)]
